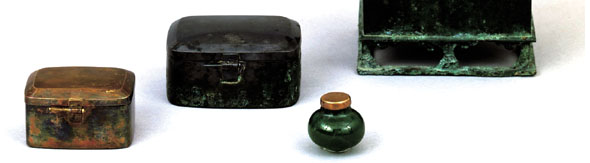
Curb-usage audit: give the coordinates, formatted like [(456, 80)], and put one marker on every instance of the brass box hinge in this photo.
[(75, 113)]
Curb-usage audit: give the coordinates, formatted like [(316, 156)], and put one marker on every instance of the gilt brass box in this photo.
[(80, 107), (446, 37), (234, 62)]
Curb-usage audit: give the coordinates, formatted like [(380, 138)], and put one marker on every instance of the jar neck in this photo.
[(335, 111)]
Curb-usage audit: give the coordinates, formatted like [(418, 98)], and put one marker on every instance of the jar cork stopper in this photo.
[(335, 101)]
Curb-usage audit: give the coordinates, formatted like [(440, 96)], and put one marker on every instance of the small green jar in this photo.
[(336, 127)]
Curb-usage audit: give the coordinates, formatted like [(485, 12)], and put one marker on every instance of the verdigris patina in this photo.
[(80, 108), (234, 62), (446, 30)]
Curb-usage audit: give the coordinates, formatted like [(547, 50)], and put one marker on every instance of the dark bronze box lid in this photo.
[(95, 86), (234, 34), (447, 20)]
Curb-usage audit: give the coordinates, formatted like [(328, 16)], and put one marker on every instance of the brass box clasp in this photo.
[(74, 114)]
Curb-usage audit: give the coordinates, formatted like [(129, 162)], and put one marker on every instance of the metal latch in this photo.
[(231, 68), (74, 114)]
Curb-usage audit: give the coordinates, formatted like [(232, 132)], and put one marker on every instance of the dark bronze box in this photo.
[(234, 62), (80, 107)]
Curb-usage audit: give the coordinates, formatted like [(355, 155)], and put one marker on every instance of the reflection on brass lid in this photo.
[(335, 101), (97, 86)]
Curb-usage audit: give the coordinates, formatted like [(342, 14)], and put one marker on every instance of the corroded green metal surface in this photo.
[(524, 66), (105, 127), (263, 85), (80, 108), (446, 26), (336, 131), (234, 62)]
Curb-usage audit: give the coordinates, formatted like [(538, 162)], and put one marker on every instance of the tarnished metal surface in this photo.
[(525, 65), (96, 85), (234, 62), (80, 107), (445, 27), (106, 127)]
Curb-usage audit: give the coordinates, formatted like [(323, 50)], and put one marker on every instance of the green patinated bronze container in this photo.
[(336, 127), (446, 37), (234, 62), (80, 107)]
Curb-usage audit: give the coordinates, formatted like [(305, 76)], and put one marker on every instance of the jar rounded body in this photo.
[(336, 131)]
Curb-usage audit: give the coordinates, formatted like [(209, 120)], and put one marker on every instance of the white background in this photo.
[(538, 119)]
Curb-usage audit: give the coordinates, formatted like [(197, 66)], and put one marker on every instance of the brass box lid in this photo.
[(94, 86)]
